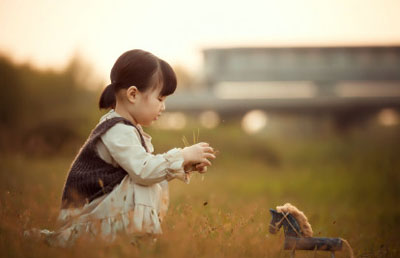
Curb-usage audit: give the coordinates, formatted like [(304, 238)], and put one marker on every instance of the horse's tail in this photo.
[(348, 247)]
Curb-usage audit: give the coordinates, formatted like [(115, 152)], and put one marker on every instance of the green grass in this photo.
[(348, 186)]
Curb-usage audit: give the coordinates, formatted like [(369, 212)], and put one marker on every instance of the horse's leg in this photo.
[(332, 254), (293, 251), (280, 252)]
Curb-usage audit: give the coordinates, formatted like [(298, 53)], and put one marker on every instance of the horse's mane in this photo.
[(299, 216)]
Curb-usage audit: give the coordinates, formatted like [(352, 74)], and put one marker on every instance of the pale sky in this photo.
[(47, 32)]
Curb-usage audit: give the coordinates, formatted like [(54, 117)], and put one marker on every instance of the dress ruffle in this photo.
[(106, 228), (118, 212)]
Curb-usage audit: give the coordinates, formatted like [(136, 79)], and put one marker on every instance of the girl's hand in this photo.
[(198, 153), (201, 168)]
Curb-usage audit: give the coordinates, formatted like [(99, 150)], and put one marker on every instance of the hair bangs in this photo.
[(168, 79)]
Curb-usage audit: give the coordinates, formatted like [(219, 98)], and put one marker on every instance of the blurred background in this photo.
[(301, 98)]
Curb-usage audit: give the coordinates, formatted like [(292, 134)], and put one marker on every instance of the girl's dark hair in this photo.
[(139, 68)]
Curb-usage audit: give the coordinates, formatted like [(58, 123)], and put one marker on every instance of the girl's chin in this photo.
[(148, 123)]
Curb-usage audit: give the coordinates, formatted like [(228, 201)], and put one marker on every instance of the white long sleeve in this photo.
[(124, 146)]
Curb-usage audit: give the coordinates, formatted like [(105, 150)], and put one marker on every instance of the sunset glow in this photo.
[(48, 33)]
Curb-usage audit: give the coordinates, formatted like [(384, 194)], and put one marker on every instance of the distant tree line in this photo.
[(45, 111)]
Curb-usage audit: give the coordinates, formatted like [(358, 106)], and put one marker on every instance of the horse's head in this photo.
[(276, 221), (290, 225)]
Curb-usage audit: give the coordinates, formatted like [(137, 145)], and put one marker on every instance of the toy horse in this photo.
[(298, 232)]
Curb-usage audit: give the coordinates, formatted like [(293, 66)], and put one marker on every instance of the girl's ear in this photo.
[(132, 94)]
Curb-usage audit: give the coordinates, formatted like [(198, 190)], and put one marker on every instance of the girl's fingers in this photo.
[(200, 166), (209, 149), (202, 170), (209, 156), (203, 144), (206, 161)]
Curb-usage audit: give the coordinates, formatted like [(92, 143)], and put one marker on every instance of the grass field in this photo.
[(348, 186)]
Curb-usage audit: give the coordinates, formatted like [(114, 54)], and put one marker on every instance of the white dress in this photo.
[(137, 205)]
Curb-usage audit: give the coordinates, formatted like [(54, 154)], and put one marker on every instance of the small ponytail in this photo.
[(107, 98)]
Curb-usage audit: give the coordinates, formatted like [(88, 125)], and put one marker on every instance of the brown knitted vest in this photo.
[(90, 176)]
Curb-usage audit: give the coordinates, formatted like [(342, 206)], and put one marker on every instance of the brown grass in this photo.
[(347, 187)]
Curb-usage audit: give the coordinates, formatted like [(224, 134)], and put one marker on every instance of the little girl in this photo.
[(115, 184)]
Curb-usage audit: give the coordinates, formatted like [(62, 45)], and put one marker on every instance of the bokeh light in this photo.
[(388, 117), (254, 121), (209, 119)]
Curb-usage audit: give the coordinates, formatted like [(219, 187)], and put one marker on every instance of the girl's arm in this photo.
[(124, 145)]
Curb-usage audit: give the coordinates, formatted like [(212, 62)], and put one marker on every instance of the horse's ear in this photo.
[(272, 211)]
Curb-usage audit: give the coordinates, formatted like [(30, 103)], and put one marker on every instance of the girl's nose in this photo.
[(163, 106)]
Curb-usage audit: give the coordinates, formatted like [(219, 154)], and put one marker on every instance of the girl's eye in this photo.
[(161, 99)]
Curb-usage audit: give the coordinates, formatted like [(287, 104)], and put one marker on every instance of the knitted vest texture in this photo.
[(90, 176)]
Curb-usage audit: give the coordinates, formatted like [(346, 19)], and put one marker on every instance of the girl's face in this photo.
[(148, 106)]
